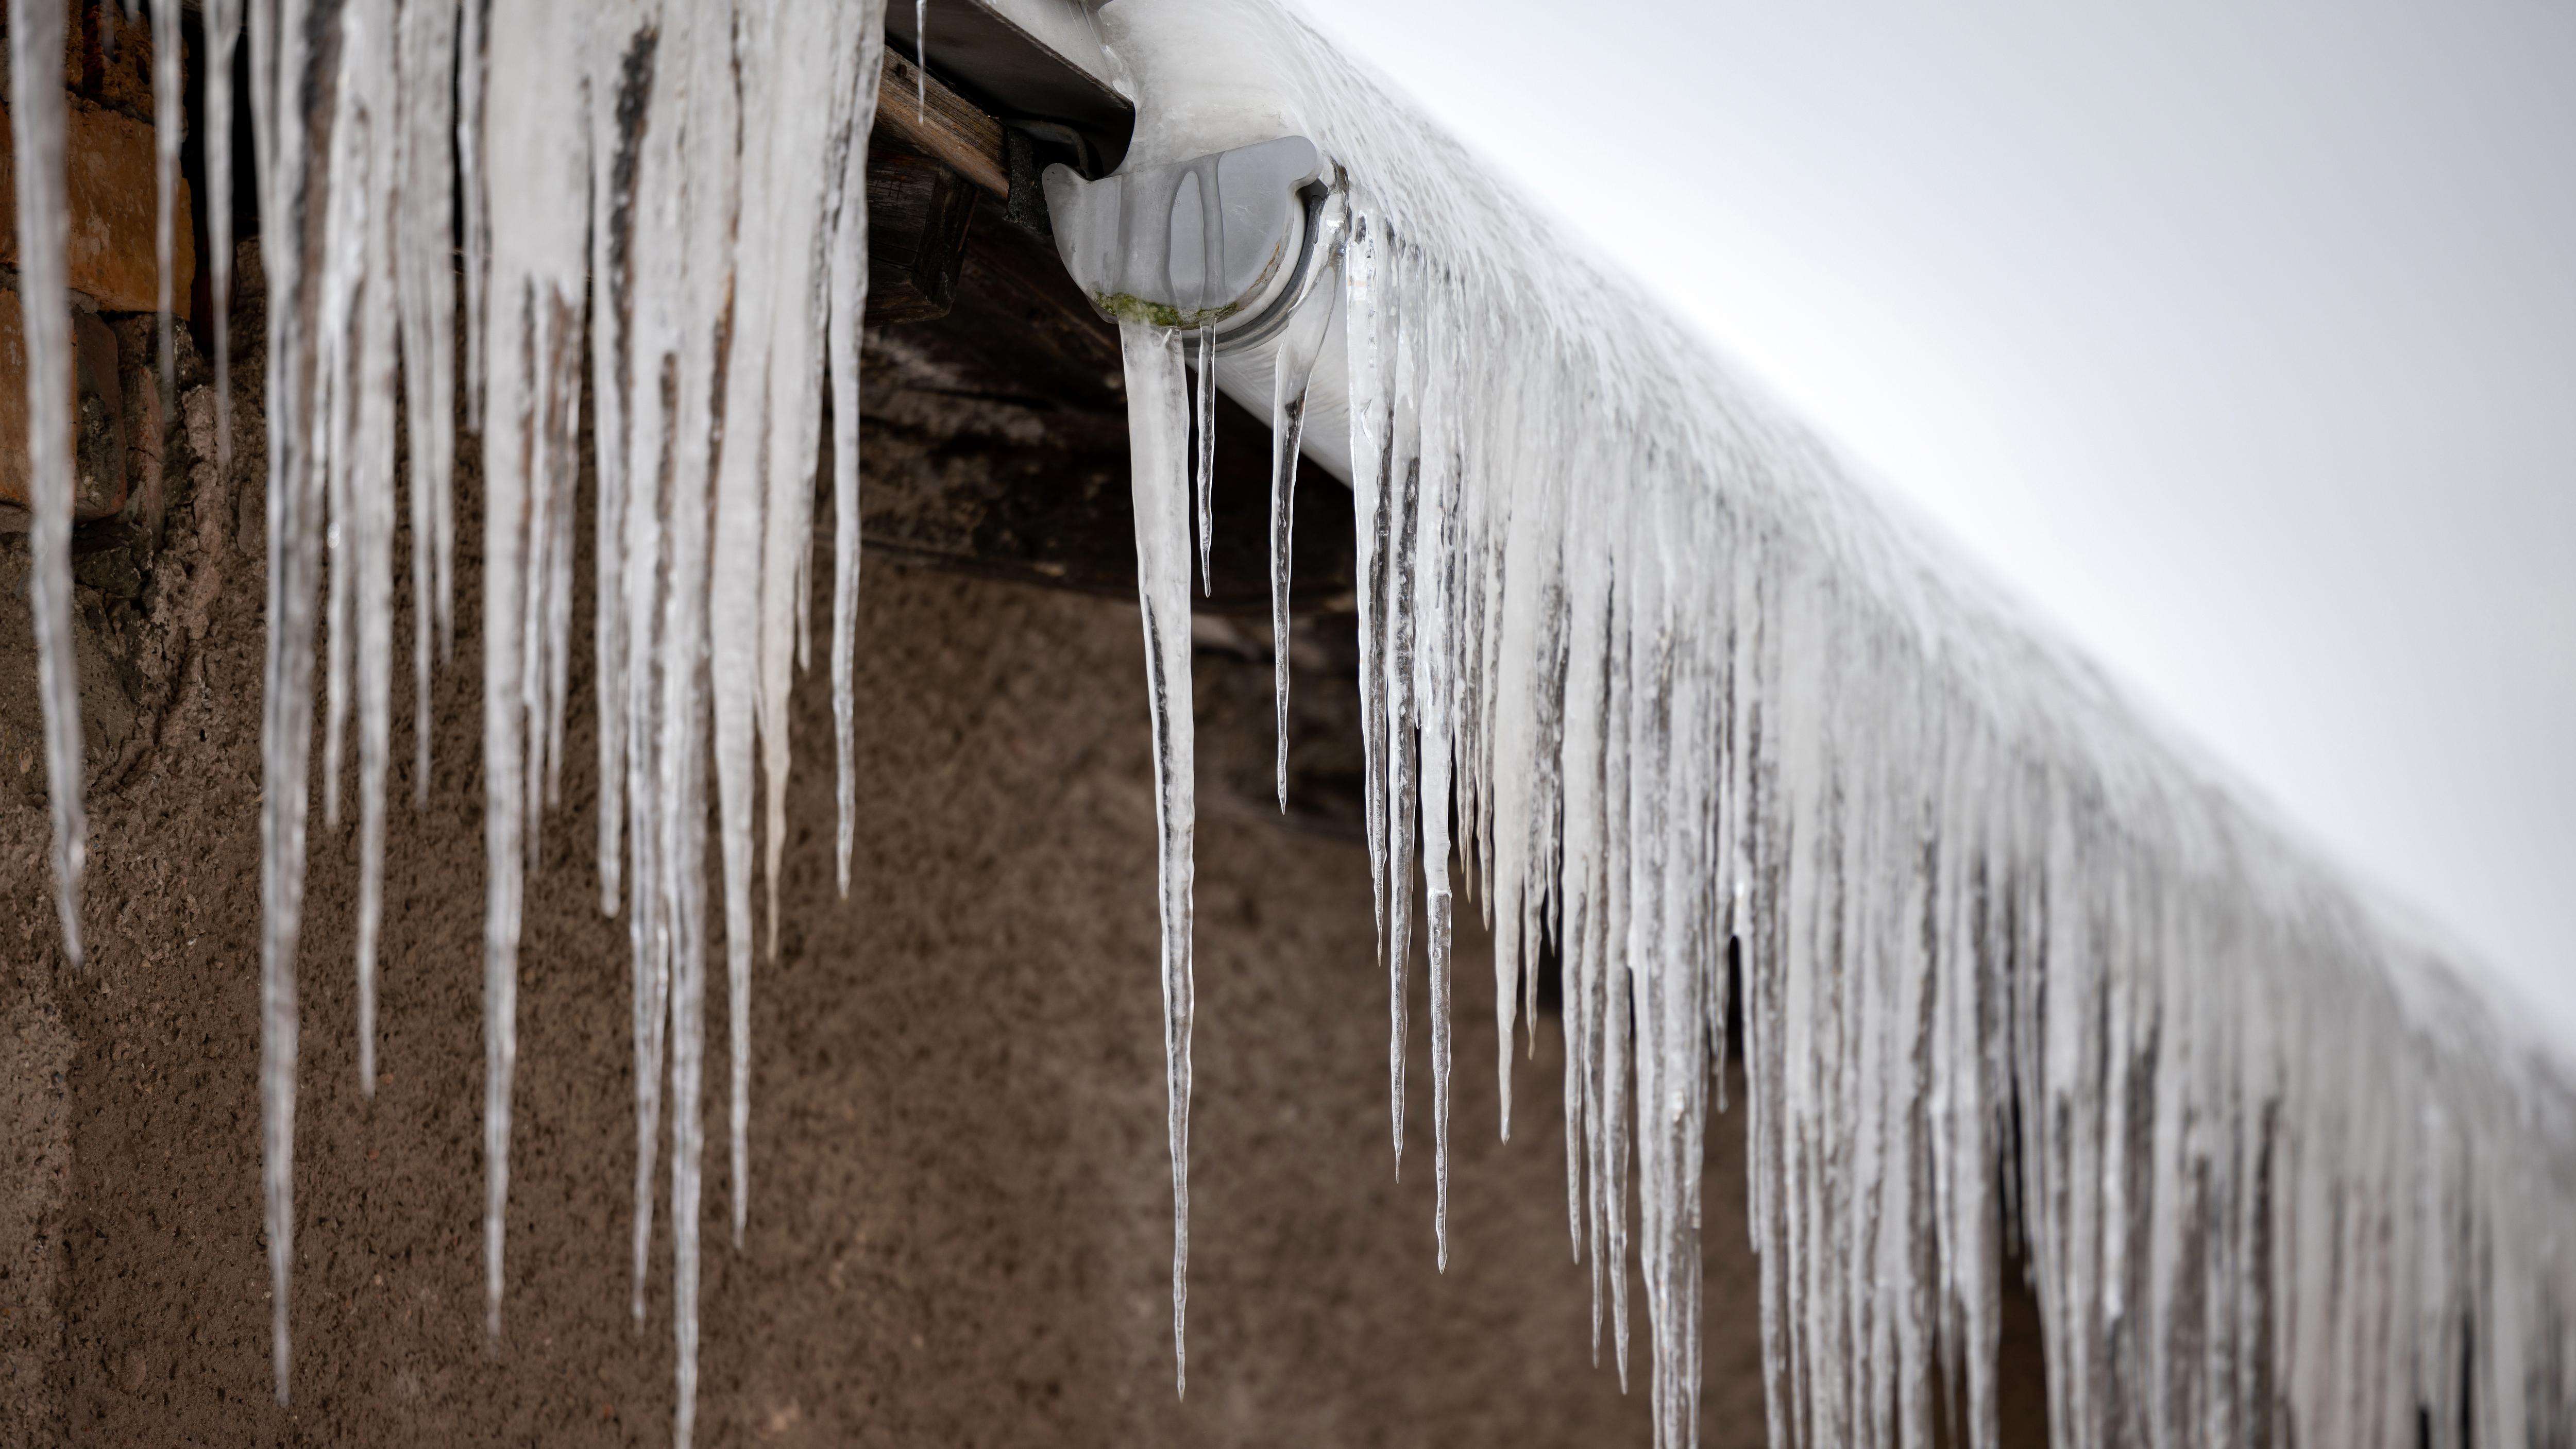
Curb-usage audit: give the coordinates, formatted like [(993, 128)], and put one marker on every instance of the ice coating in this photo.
[(1203, 433), (425, 158), (43, 241), (335, 337), (1292, 376), (169, 125), (223, 20), (849, 288), (537, 145), (1158, 433), (2018, 970), (296, 498)]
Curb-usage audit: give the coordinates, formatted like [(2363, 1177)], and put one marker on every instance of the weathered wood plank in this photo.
[(918, 212), (924, 114)]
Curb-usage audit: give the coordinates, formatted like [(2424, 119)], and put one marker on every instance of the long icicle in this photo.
[(686, 254), (734, 587), (169, 127), (696, 201), (281, 62), (370, 170), (1203, 464), (849, 300), (425, 161), (805, 57), (1158, 429), (35, 87), (223, 34), (1401, 507), (536, 289), (619, 83), (1368, 326), (1435, 708), (1291, 380), (625, 51)]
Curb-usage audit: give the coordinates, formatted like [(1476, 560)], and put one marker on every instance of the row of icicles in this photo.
[(692, 199)]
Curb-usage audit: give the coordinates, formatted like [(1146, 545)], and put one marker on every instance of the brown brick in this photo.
[(107, 57), (100, 462), (13, 402), (108, 166)]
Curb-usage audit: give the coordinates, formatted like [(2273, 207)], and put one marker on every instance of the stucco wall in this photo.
[(960, 1215)]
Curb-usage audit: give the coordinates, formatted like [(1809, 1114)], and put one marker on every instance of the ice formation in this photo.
[(2016, 969), (1158, 429), (1682, 702), (36, 117), (681, 180)]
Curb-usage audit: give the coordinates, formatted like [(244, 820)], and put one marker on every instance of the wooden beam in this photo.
[(917, 214), (930, 117)]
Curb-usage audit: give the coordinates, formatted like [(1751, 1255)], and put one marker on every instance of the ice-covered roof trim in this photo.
[(2015, 961)]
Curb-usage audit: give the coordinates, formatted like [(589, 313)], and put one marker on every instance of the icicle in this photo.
[(35, 88), (1158, 435), (688, 1069), (1371, 406), (690, 177), (474, 244), (798, 59), (1290, 380), (1203, 466), (281, 58), (734, 627), (632, 291), (169, 125), (368, 172), (1428, 567), (425, 177), (348, 399), (223, 32), (620, 86), (534, 284), (849, 297), (1400, 509)]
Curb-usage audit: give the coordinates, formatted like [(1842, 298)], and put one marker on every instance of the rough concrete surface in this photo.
[(959, 1221), (960, 1224)]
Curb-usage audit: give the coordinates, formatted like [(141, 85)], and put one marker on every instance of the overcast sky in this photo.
[(2242, 337)]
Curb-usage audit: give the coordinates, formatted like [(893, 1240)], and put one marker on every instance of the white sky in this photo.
[(2241, 336)]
